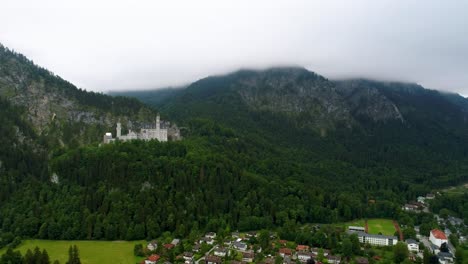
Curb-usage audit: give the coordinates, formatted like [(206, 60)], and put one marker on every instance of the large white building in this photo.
[(376, 240), (437, 237), (148, 133)]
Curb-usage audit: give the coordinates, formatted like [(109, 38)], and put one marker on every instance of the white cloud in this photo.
[(103, 45)]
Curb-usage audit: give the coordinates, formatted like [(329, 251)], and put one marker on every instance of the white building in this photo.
[(220, 252), (437, 237), (148, 133), (412, 245), (153, 245), (304, 256), (376, 240)]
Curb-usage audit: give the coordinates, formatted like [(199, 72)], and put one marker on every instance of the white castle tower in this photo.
[(119, 130), (157, 125)]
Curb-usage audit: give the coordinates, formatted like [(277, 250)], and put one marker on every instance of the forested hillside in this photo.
[(275, 148)]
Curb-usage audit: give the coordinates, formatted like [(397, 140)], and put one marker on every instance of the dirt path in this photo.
[(397, 228), (366, 227)]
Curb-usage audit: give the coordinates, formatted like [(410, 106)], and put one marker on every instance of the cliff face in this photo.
[(59, 112)]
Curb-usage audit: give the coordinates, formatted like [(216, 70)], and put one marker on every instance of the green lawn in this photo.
[(358, 222), (376, 225), (384, 226), (91, 252)]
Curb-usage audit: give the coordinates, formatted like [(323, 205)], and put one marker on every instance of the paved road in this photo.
[(206, 254)]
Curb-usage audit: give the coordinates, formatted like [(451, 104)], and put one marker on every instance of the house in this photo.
[(413, 245), (153, 259), (288, 260), (251, 234), (282, 242), (302, 248), (207, 240), (455, 221), (212, 259), (153, 245), (333, 259), (240, 246), (421, 199), (437, 237), (410, 207), (220, 252), (304, 256), (175, 241), (361, 260), (430, 196), (196, 248), (445, 257), (376, 240), (316, 251), (248, 256), (285, 252), (188, 257), (168, 246), (211, 235)]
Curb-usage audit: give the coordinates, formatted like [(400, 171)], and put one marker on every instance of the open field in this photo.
[(91, 252), (384, 226), (375, 225), (358, 222)]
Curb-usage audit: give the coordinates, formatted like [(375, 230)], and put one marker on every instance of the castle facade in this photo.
[(156, 132)]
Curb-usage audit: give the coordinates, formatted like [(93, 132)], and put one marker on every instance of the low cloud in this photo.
[(124, 45)]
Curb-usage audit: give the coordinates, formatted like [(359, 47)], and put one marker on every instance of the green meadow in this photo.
[(384, 226), (376, 225), (102, 252)]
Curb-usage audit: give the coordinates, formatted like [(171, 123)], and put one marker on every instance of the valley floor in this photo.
[(103, 252)]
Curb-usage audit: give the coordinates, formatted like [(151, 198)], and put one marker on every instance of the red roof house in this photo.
[(285, 252), (437, 237), (169, 246), (152, 259), (302, 248)]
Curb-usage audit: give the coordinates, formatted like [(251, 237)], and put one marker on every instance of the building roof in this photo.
[(286, 251), (411, 241), (302, 247), (438, 234), (212, 258), (363, 234), (248, 255), (220, 249), (169, 246), (154, 257), (188, 254), (361, 260)]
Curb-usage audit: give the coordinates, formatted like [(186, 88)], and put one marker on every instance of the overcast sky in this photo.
[(124, 45)]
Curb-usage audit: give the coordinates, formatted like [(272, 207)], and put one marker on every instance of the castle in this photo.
[(145, 133)]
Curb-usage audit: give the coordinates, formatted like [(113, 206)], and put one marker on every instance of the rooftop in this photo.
[(438, 234)]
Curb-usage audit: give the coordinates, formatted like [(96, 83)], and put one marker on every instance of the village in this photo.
[(266, 247)]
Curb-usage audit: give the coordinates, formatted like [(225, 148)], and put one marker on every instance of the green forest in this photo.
[(237, 167)]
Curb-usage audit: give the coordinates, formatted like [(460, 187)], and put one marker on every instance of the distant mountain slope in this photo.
[(58, 111), (365, 123)]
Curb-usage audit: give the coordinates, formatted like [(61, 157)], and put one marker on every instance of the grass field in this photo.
[(376, 225), (91, 252), (384, 226), (359, 222)]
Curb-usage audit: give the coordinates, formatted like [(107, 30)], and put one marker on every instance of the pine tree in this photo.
[(73, 255), (44, 257), (28, 257)]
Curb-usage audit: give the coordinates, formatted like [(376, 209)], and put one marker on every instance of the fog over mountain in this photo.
[(124, 45)]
